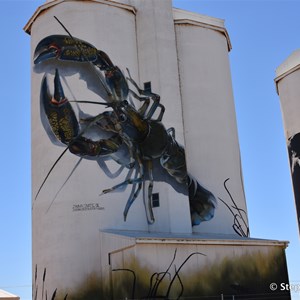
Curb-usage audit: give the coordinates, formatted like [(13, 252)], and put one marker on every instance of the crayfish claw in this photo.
[(67, 48), (103, 61), (58, 89), (45, 50), (59, 112)]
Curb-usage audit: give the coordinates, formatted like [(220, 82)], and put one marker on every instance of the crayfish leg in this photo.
[(121, 186), (59, 112), (148, 199), (136, 188), (136, 181)]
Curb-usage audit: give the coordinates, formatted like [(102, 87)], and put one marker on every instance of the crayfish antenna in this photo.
[(49, 172), (74, 168)]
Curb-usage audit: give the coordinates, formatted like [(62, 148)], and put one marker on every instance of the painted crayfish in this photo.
[(138, 131)]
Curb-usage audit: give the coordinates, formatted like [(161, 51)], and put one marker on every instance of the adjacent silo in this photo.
[(287, 83), (210, 130)]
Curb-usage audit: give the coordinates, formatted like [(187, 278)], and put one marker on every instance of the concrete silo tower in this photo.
[(287, 84), (136, 173)]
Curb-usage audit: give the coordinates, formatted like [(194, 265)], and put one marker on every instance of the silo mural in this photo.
[(131, 197), (138, 142)]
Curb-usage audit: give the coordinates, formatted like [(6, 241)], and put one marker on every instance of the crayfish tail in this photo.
[(202, 202)]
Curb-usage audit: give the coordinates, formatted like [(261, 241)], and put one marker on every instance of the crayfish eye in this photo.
[(125, 102), (122, 117), (53, 47)]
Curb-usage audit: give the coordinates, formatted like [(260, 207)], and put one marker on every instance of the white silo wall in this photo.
[(210, 130), (65, 231), (288, 88)]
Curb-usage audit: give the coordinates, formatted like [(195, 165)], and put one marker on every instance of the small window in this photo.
[(155, 200), (147, 86)]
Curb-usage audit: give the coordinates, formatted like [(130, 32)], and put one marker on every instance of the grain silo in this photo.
[(136, 175), (287, 84)]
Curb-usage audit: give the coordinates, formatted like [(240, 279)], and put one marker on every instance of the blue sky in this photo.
[(263, 34)]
